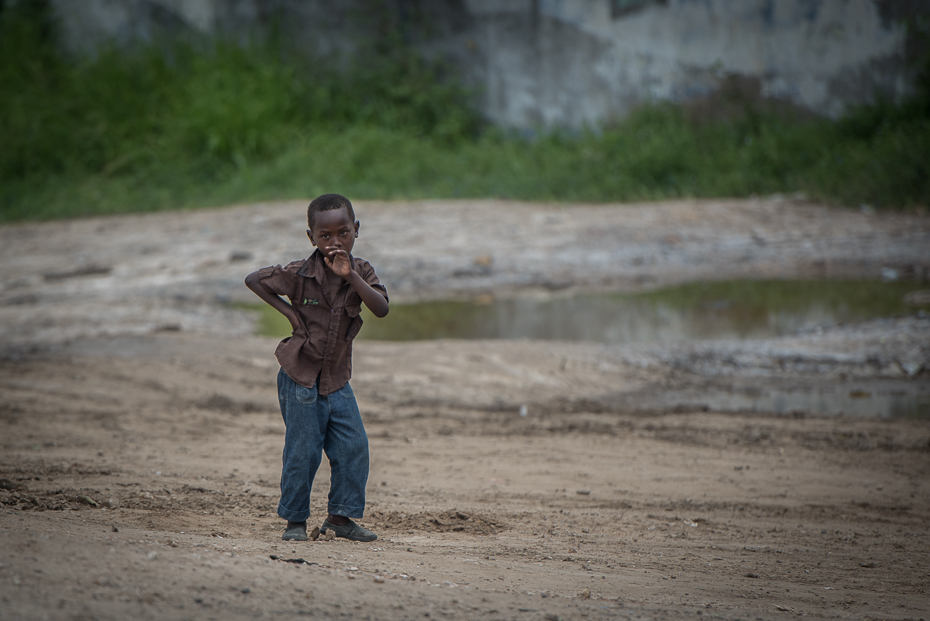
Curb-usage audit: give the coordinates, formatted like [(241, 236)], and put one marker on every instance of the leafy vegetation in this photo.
[(191, 123)]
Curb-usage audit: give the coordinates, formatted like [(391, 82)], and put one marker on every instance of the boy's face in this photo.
[(333, 230)]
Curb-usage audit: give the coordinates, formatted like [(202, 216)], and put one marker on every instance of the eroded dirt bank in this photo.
[(528, 480)]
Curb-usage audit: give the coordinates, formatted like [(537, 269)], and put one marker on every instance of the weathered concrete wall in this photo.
[(576, 62), (317, 25), (582, 61)]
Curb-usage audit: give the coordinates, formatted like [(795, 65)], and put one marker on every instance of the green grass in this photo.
[(194, 123)]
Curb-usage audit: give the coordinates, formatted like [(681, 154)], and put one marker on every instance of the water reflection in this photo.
[(727, 310), (701, 311)]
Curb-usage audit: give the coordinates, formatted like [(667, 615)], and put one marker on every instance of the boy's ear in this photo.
[(356, 228), (310, 236)]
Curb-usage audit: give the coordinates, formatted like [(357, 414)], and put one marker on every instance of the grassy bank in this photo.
[(193, 124)]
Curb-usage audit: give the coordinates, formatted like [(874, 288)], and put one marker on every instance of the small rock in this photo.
[(246, 591), (86, 270), (240, 255), (868, 565), (329, 536), (315, 533), (911, 368), (483, 260), (584, 593)]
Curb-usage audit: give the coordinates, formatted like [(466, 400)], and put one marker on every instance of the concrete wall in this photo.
[(575, 62)]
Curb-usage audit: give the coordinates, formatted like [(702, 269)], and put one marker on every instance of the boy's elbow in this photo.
[(381, 311), (254, 285)]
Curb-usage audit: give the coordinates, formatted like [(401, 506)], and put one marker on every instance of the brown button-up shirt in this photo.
[(329, 319)]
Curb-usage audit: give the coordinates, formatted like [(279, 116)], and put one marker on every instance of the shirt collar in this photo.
[(314, 267)]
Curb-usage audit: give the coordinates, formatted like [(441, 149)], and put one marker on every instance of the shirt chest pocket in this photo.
[(354, 318)]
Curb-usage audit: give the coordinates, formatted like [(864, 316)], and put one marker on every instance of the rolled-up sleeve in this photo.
[(367, 272), (279, 280)]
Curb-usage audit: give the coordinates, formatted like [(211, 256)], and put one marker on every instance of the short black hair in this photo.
[(328, 202)]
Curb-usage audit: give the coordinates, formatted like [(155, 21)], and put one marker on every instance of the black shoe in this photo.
[(350, 531), (296, 531)]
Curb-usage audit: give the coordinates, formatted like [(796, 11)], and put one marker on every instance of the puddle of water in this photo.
[(700, 311)]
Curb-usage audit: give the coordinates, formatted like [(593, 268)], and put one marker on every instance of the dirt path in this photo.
[(527, 480)]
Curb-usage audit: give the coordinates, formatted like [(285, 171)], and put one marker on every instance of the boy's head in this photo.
[(328, 202), (332, 224)]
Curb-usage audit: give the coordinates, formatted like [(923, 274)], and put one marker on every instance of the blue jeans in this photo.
[(315, 424)]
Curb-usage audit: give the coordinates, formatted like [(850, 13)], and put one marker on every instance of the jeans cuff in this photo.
[(293, 516), (348, 511)]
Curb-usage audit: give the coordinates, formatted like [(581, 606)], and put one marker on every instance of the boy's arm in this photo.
[(338, 261), (370, 296), (275, 301)]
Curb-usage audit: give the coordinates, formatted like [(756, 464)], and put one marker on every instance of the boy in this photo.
[(326, 293)]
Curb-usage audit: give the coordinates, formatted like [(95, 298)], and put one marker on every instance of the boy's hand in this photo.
[(338, 261)]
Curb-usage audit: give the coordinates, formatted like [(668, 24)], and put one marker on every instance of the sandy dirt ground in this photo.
[(141, 440)]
